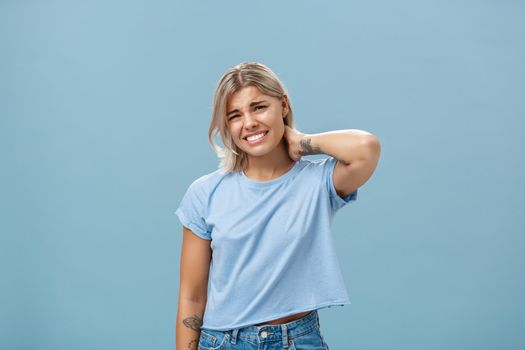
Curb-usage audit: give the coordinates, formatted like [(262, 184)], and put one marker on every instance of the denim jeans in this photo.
[(301, 334)]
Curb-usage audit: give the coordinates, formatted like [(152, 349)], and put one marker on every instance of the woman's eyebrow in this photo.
[(254, 103)]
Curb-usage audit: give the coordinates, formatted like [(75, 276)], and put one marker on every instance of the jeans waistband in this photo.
[(273, 332)]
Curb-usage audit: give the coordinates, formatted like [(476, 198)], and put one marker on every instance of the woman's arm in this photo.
[(357, 152), (194, 269)]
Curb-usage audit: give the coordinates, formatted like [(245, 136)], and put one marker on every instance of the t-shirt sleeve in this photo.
[(191, 211), (336, 201)]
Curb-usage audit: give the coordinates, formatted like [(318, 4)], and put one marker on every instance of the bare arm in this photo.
[(357, 153), (347, 146), (194, 269)]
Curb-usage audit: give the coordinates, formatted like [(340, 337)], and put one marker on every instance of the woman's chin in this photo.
[(256, 154)]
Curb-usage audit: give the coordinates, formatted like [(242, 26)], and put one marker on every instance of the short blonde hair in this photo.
[(242, 75)]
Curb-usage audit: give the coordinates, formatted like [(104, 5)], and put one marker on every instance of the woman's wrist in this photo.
[(308, 145)]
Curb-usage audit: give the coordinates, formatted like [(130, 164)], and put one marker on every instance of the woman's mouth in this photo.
[(255, 139)]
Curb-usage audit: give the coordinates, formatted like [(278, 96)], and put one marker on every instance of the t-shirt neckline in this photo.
[(271, 182)]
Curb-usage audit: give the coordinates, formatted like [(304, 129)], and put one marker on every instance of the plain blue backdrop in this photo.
[(105, 108)]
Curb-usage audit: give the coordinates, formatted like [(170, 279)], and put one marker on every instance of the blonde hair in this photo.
[(242, 75)]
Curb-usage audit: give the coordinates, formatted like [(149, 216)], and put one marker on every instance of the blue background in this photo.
[(105, 108)]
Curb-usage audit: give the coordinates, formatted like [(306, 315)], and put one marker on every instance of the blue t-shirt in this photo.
[(272, 249)]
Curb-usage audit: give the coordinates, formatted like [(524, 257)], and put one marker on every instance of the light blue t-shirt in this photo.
[(272, 249)]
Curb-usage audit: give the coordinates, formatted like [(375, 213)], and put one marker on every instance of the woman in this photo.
[(258, 228)]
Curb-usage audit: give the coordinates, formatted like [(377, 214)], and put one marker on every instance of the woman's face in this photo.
[(249, 112)]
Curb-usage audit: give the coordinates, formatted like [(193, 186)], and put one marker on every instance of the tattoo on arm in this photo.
[(194, 322), (307, 148), (194, 344)]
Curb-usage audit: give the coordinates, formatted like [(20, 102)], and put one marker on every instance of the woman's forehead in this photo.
[(246, 96)]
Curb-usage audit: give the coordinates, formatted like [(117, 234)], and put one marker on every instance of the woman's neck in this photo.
[(269, 166)]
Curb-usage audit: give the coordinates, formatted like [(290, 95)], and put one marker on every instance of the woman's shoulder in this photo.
[(207, 182), (319, 163)]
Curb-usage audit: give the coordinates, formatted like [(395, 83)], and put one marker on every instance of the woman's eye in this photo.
[(233, 116), (260, 107)]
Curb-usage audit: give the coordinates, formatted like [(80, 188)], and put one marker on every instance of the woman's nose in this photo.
[(250, 121)]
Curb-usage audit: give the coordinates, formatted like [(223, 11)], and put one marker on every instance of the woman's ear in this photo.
[(284, 104)]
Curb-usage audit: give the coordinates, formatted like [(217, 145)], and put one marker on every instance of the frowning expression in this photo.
[(255, 120)]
